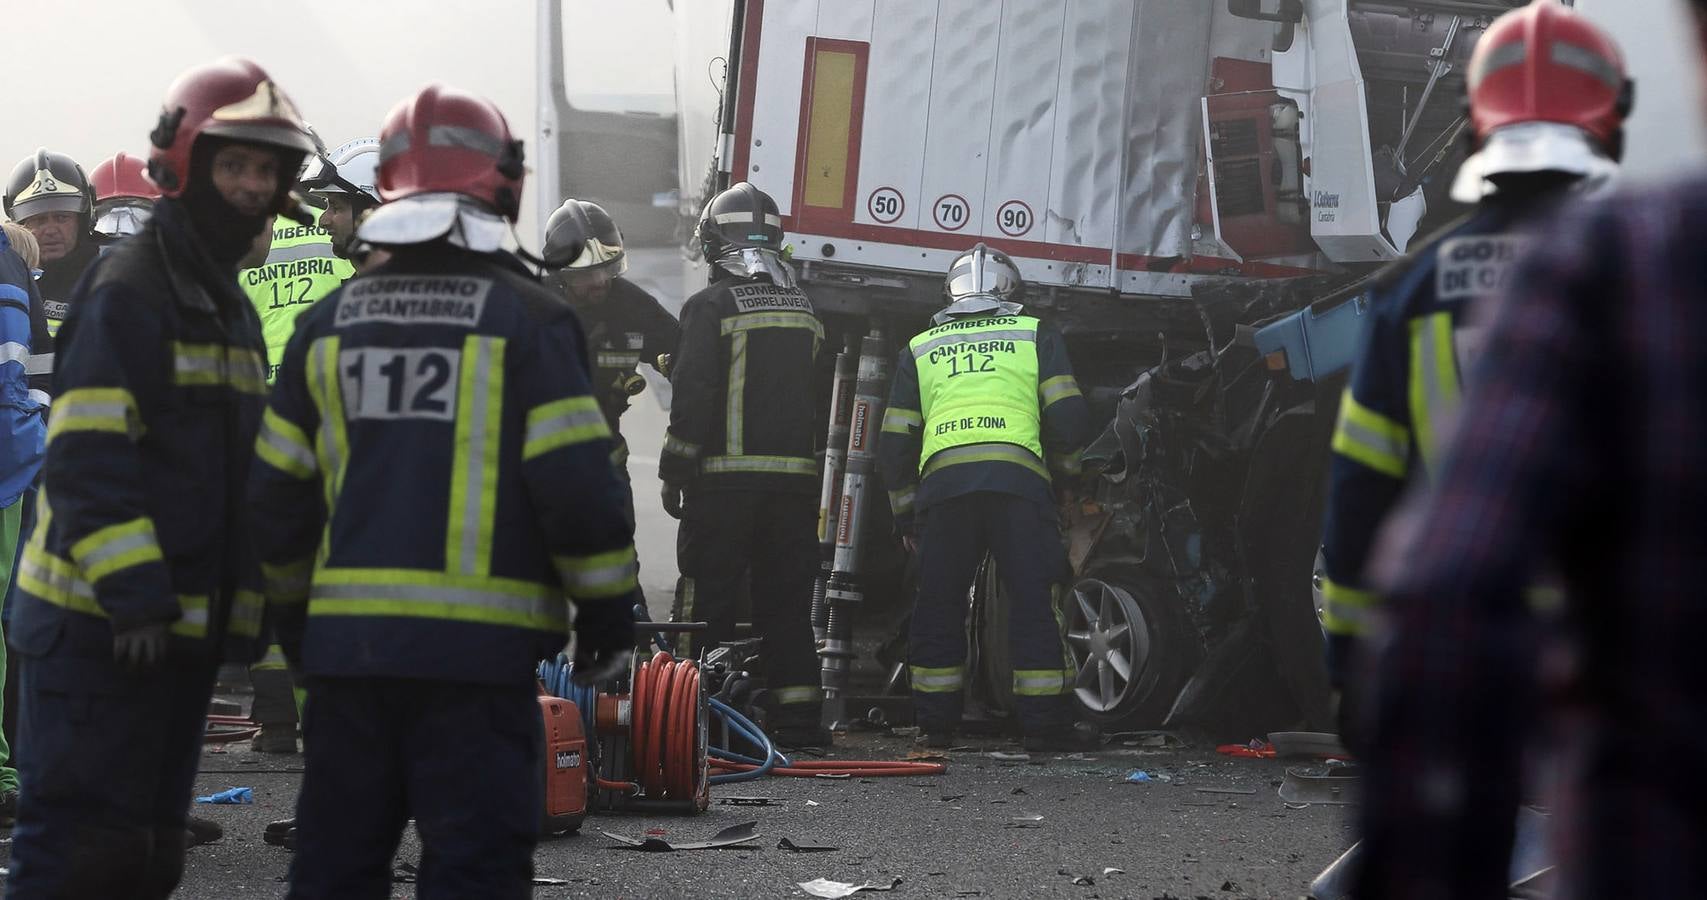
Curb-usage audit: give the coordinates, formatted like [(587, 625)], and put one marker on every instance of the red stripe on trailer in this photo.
[(746, 89), (1099, 256)]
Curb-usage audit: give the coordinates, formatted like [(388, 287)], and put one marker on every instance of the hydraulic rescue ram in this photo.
[(830, 496), (844, 592)]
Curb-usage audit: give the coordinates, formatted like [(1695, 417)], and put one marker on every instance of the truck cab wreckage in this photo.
[(1198, 195)]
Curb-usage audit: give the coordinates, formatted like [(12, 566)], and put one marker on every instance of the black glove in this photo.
[(673, 500), (141, 648), (604, 638)]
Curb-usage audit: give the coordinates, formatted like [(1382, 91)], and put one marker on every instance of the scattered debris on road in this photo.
[(824, 887), (728, 837), (229, 796), (792, 847)]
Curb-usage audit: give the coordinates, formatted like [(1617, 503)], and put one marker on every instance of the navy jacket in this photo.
[(435, 480), (158, 392)]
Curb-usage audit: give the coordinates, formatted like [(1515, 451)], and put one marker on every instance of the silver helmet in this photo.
[(981, 282)]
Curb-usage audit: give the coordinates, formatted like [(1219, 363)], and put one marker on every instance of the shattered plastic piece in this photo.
[(234, 795), (813, 803), (1303, 784), (917, 755), (824, 887), (1110, 870), (792, 847), (748, 801), (1085, 880), (1004, 756), (1253, 750), (1138, 776), (550, 882), (834, 775), (728, 837)]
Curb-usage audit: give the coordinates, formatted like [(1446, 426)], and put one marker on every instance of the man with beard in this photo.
[(140, 578)]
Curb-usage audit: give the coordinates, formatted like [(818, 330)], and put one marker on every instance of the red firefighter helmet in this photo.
[(231, 98), (447, 141), (1548, 92), (123, 175)]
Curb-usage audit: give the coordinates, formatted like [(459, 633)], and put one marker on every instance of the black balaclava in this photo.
[(225, 232)]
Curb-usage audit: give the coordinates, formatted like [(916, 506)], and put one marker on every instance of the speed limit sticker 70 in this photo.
[(1014, 218), (951, 212)]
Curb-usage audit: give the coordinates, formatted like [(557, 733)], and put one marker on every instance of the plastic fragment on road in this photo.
[(813, 803), (748, 801), (230, 796), (1138, 776), (824, 887), (792, 847), (1253, 750), (728, 837), (1110, 870), (1004, 756)]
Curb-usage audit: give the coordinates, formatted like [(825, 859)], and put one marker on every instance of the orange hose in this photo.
[(666, 702)]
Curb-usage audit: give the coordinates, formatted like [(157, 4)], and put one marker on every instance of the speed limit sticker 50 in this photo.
[(886, 205)]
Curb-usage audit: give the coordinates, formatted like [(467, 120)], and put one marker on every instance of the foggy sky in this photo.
[(92, 84)]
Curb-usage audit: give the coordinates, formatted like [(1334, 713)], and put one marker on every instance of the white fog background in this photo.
[(91, 85)]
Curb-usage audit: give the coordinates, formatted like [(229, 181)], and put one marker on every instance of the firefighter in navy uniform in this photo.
[(140, 578), (1548, 99), (434, 485), (50, 195), (983, 408), (738, 463), (625, 325)]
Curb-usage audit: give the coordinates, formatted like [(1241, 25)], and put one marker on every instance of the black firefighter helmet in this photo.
[(580, 235), (49, 182), (741, 217)]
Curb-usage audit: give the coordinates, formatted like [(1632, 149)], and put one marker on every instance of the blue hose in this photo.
[(744, 727)]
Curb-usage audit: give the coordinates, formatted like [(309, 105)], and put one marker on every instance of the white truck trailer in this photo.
[(1169, 175)]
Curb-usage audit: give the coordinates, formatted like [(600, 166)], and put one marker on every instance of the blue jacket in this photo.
[(158, 392), (435, 480), (23, 426), (1406, 380)]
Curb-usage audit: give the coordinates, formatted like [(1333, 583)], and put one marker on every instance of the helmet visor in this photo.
[(122, 218)]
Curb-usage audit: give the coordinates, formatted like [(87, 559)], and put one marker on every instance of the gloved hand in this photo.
[(604, 638), (142, 648), (673, 500)]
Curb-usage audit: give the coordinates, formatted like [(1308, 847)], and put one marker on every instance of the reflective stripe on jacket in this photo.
[(745, 402), (435, 481), (159, 381)]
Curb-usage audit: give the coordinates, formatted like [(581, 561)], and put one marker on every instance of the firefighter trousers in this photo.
[(464, 761), (1023, 538), (768, 540), (105, 788)]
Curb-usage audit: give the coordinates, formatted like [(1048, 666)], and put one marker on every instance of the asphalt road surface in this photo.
[(972, 832)]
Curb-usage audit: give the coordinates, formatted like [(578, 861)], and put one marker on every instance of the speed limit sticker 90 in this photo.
[(885, 205), (1014, 218)]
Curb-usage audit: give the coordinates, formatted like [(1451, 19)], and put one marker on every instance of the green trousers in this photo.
[(11, 518)]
